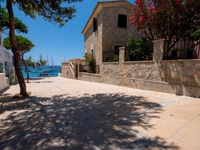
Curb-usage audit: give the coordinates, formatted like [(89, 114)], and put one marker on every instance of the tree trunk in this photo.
[(15, 50), (26, 68)]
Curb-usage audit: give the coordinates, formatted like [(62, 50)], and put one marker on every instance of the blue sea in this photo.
[(51, 71)]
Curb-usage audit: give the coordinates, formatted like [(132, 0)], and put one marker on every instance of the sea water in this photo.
[(52, 71)]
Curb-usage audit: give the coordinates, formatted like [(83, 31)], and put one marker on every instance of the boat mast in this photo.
[(47, 60)]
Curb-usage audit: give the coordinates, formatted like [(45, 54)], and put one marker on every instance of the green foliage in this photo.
[(29, 61), (4, 22), (23, 43), (91, 62), (41, 61), (58, 11), (196, 34), (139, 49), (90, 59), (37, 63), (115, 58)]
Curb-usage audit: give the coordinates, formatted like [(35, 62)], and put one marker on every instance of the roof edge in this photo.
[(97, 5)]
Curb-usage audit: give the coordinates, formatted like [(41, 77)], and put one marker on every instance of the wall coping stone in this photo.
[(138, 62), (107, 63), (65, 63), (91, 74), (128, 62), (181, 60)]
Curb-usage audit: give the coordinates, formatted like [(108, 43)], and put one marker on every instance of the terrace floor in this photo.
[(72, 114)]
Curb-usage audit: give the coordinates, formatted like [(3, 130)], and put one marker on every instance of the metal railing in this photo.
[(89, 69), (139, 52), (182, 49)]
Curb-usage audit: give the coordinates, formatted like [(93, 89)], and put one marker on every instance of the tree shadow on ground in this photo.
[(101, 121)]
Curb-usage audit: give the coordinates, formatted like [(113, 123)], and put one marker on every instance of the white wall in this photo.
[(6, 57), (3, 82)]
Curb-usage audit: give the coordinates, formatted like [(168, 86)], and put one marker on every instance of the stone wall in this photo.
[(68, 70), (147, 70), (182, 72), (131, 82), (186, 72), (176, 76), (90, 77)]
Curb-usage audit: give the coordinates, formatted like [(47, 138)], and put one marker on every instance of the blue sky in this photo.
[(60, 43)]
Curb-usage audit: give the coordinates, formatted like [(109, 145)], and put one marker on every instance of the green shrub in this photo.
[(91, 62), (139, 49), (115, 58), (196, 34)]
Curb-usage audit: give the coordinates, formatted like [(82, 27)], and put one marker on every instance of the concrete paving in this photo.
[(72, 114)]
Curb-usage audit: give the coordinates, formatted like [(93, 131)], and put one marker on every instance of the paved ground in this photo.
[(70, 114)]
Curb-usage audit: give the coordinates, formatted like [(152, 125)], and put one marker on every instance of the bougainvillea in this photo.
[(168, 19)]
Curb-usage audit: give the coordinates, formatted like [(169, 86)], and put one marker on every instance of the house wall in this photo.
[(108, 34), (6, 58), (131, 82), (112, 34), (93, 40)]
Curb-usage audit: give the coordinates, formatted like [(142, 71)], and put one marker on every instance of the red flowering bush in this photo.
[(168, 19)]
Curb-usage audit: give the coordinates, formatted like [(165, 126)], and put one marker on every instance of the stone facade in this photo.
[(108, 34), (93, 40), (112, 34)]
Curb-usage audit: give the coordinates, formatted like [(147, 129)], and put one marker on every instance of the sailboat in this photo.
[(51, 68)]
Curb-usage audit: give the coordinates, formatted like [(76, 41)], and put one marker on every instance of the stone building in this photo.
[(107, 29)]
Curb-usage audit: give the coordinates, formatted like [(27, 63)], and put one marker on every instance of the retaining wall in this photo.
[(68, 70), (180, 77)]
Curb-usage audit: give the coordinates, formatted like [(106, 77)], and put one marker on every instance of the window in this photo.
[(92, 53), (94, 24), (122, 21)]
